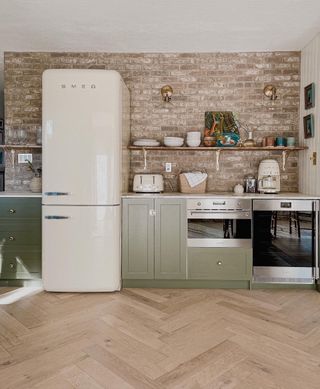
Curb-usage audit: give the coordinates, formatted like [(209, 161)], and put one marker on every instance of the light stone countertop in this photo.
[(282, 195), (20, 194)]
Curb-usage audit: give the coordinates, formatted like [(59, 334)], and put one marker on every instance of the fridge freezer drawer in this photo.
[(81, 248)]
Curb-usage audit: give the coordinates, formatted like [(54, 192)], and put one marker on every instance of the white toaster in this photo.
[(148, 183)]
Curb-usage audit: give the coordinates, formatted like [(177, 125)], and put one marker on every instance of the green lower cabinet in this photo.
[(170, 239), (138, 239), (20, 238), (219, 263)]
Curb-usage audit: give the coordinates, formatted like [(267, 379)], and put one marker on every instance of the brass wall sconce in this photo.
[(270, 91), (166, 93)]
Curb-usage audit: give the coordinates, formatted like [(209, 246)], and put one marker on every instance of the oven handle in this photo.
[(220, 214), (315, 209)]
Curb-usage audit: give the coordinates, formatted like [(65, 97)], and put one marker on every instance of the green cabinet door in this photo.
[(138, 239), (20, 238), (170, 239)]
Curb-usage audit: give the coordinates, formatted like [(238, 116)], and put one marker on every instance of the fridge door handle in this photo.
[(57, 193), (54, 217), (316, 210)]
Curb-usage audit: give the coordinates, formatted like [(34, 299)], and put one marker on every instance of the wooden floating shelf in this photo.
[(20, 147), (203, 148), (284, 150)]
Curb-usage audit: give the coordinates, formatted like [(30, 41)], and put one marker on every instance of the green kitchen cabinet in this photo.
[(153, 239), (228, 264), (138, 239), (170, 239), (20, 238)]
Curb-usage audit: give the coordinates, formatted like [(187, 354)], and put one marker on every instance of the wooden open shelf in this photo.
[(203, 148), (217, 150), (27, 146)]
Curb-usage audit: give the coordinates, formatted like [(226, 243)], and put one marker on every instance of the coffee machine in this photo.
[(269, 176)]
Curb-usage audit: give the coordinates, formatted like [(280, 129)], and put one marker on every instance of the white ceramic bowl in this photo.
[(194, 135), (193, 143), (172, 141)]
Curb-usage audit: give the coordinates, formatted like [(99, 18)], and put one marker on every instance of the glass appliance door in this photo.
[(219, 232)]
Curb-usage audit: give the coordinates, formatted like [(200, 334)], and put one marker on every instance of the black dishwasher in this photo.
[(285, 241)]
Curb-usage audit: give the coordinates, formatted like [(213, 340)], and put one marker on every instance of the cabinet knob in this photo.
[(11, 210), (11, 265), (12, 238), (152, 212), (219, 263)]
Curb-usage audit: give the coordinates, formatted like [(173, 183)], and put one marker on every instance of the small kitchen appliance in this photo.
[(148, 183), (269, 176)]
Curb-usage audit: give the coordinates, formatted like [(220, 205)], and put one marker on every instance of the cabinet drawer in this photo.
[(14, 234), (17, 208), (24, 264), (219, 263)]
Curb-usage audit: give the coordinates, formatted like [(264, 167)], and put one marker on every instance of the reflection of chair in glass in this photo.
[(295, 219)]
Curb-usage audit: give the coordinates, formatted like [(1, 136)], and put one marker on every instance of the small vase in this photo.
[(35, 185)]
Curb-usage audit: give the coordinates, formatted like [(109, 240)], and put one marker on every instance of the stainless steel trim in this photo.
[(245, 243), (227, 214), (316, 259), (56, 217), (283, 274), (283, 205), (57, 193)]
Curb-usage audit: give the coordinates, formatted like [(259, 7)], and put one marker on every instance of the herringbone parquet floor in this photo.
[(152, 338)]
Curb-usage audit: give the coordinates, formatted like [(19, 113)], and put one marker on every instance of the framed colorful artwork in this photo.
[(309, 96), (308, 125)]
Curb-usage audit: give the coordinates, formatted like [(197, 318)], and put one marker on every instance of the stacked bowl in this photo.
[(173, 141), (194, 138)]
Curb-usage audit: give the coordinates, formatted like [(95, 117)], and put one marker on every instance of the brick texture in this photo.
[(201, 82)]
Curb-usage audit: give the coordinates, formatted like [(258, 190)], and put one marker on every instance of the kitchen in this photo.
[(180, 243)]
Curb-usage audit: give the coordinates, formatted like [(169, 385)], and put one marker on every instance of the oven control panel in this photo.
[(219, 204)]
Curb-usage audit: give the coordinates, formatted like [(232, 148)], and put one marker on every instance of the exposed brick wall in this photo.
[(201, 82)]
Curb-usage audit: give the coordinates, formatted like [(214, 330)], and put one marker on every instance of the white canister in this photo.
[(35, 185)]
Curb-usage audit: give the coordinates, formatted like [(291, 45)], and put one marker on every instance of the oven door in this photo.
[(219, 229), (285, 241)]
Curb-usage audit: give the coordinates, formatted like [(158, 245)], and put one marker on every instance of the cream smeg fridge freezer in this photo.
[(85, 124)]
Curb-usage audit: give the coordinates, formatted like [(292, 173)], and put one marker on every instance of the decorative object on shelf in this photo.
[(209, 141), (249, 142), (270, 91), (238, 189), (146, 142), (280, 141), (270, 141), (291, 141), (309, 96), (35, 183), (223, 126), (173, 141), (166, 93), (308, 125), (193, 138), (39, 136)]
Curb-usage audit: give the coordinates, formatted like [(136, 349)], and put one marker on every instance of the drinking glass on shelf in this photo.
[(39, 135), (22, 136)]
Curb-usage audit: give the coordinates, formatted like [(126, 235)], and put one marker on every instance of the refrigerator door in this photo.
[(81, 248), (81, 122)]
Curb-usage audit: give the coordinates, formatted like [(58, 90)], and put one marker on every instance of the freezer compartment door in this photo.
[(81, 248), (81, 136)]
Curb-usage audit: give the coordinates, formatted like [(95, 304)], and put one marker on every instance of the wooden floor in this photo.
[(152, 338)]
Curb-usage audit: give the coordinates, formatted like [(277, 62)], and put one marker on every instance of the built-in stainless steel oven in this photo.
[(285, 241), (219, 222)]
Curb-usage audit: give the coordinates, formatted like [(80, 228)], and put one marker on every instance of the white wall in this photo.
[(309, 175)]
